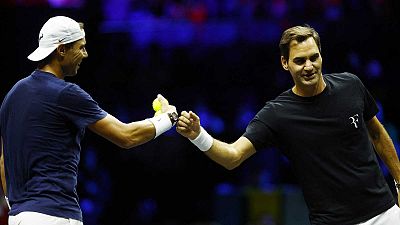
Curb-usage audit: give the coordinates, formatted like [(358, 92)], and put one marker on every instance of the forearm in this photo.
[(2, 175), (124, 135), (387, 152), (2, 171), (136, 133), (228, 155), (224, 154)]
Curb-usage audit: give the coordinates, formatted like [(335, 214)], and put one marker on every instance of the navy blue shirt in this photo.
[(42, 121), (325, 137)]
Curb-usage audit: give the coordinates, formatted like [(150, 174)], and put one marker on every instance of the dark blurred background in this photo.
[(219, 58)]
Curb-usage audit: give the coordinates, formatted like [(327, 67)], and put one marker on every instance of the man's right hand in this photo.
[(188, 125)]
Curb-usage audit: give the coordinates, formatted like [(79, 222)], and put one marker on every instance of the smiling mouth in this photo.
[(308, 76)]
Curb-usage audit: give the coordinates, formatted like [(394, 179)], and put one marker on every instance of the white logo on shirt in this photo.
[(354, 120)]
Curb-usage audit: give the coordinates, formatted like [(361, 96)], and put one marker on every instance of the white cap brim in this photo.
[(41, 53)]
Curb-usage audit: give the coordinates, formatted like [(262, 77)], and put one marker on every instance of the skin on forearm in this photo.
[(386, 151), (138, 133), (228, 155), (124, 135), (232, 155), (223, 154), (2, 171), (384, 147)]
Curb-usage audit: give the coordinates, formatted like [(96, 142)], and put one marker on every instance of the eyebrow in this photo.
[(304, 57)]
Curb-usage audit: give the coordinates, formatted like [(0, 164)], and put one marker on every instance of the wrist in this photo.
[(161, 123), (203, 141), (173, 116)]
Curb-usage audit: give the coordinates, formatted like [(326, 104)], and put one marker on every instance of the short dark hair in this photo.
[(300, 34)]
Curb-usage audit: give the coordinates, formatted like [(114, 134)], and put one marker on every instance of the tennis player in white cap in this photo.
[(43, 119)]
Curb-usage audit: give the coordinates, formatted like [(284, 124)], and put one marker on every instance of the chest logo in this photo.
[(354, 120)]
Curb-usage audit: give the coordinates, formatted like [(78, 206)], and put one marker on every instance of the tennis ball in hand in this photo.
[(156, 105)]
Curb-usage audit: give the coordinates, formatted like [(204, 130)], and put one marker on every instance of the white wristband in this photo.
[(161, 122), (204, 141)]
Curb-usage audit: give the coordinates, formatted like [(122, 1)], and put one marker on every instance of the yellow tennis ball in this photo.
[(156, 105)]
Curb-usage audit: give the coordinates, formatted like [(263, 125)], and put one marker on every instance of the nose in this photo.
[(308, 65)]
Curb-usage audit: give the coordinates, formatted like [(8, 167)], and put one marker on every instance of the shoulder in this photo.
[(342, 80), (284, 96), (21, 86), (72, 87), (72, 94), (73, 90), (21, 83), (277, 104), (341, 77)]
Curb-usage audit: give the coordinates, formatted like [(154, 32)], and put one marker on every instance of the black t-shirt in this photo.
[(326, 140)]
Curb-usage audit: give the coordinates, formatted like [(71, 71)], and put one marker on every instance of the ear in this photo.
[(284, 63), (61, 50)]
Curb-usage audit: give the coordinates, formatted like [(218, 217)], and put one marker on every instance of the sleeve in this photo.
[(79, 107), (370, 106), (259, 131)]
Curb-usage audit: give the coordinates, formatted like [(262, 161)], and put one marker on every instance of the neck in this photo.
[(310, 91), (53, 69)]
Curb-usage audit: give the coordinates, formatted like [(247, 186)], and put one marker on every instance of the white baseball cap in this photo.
[(57, 30)]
